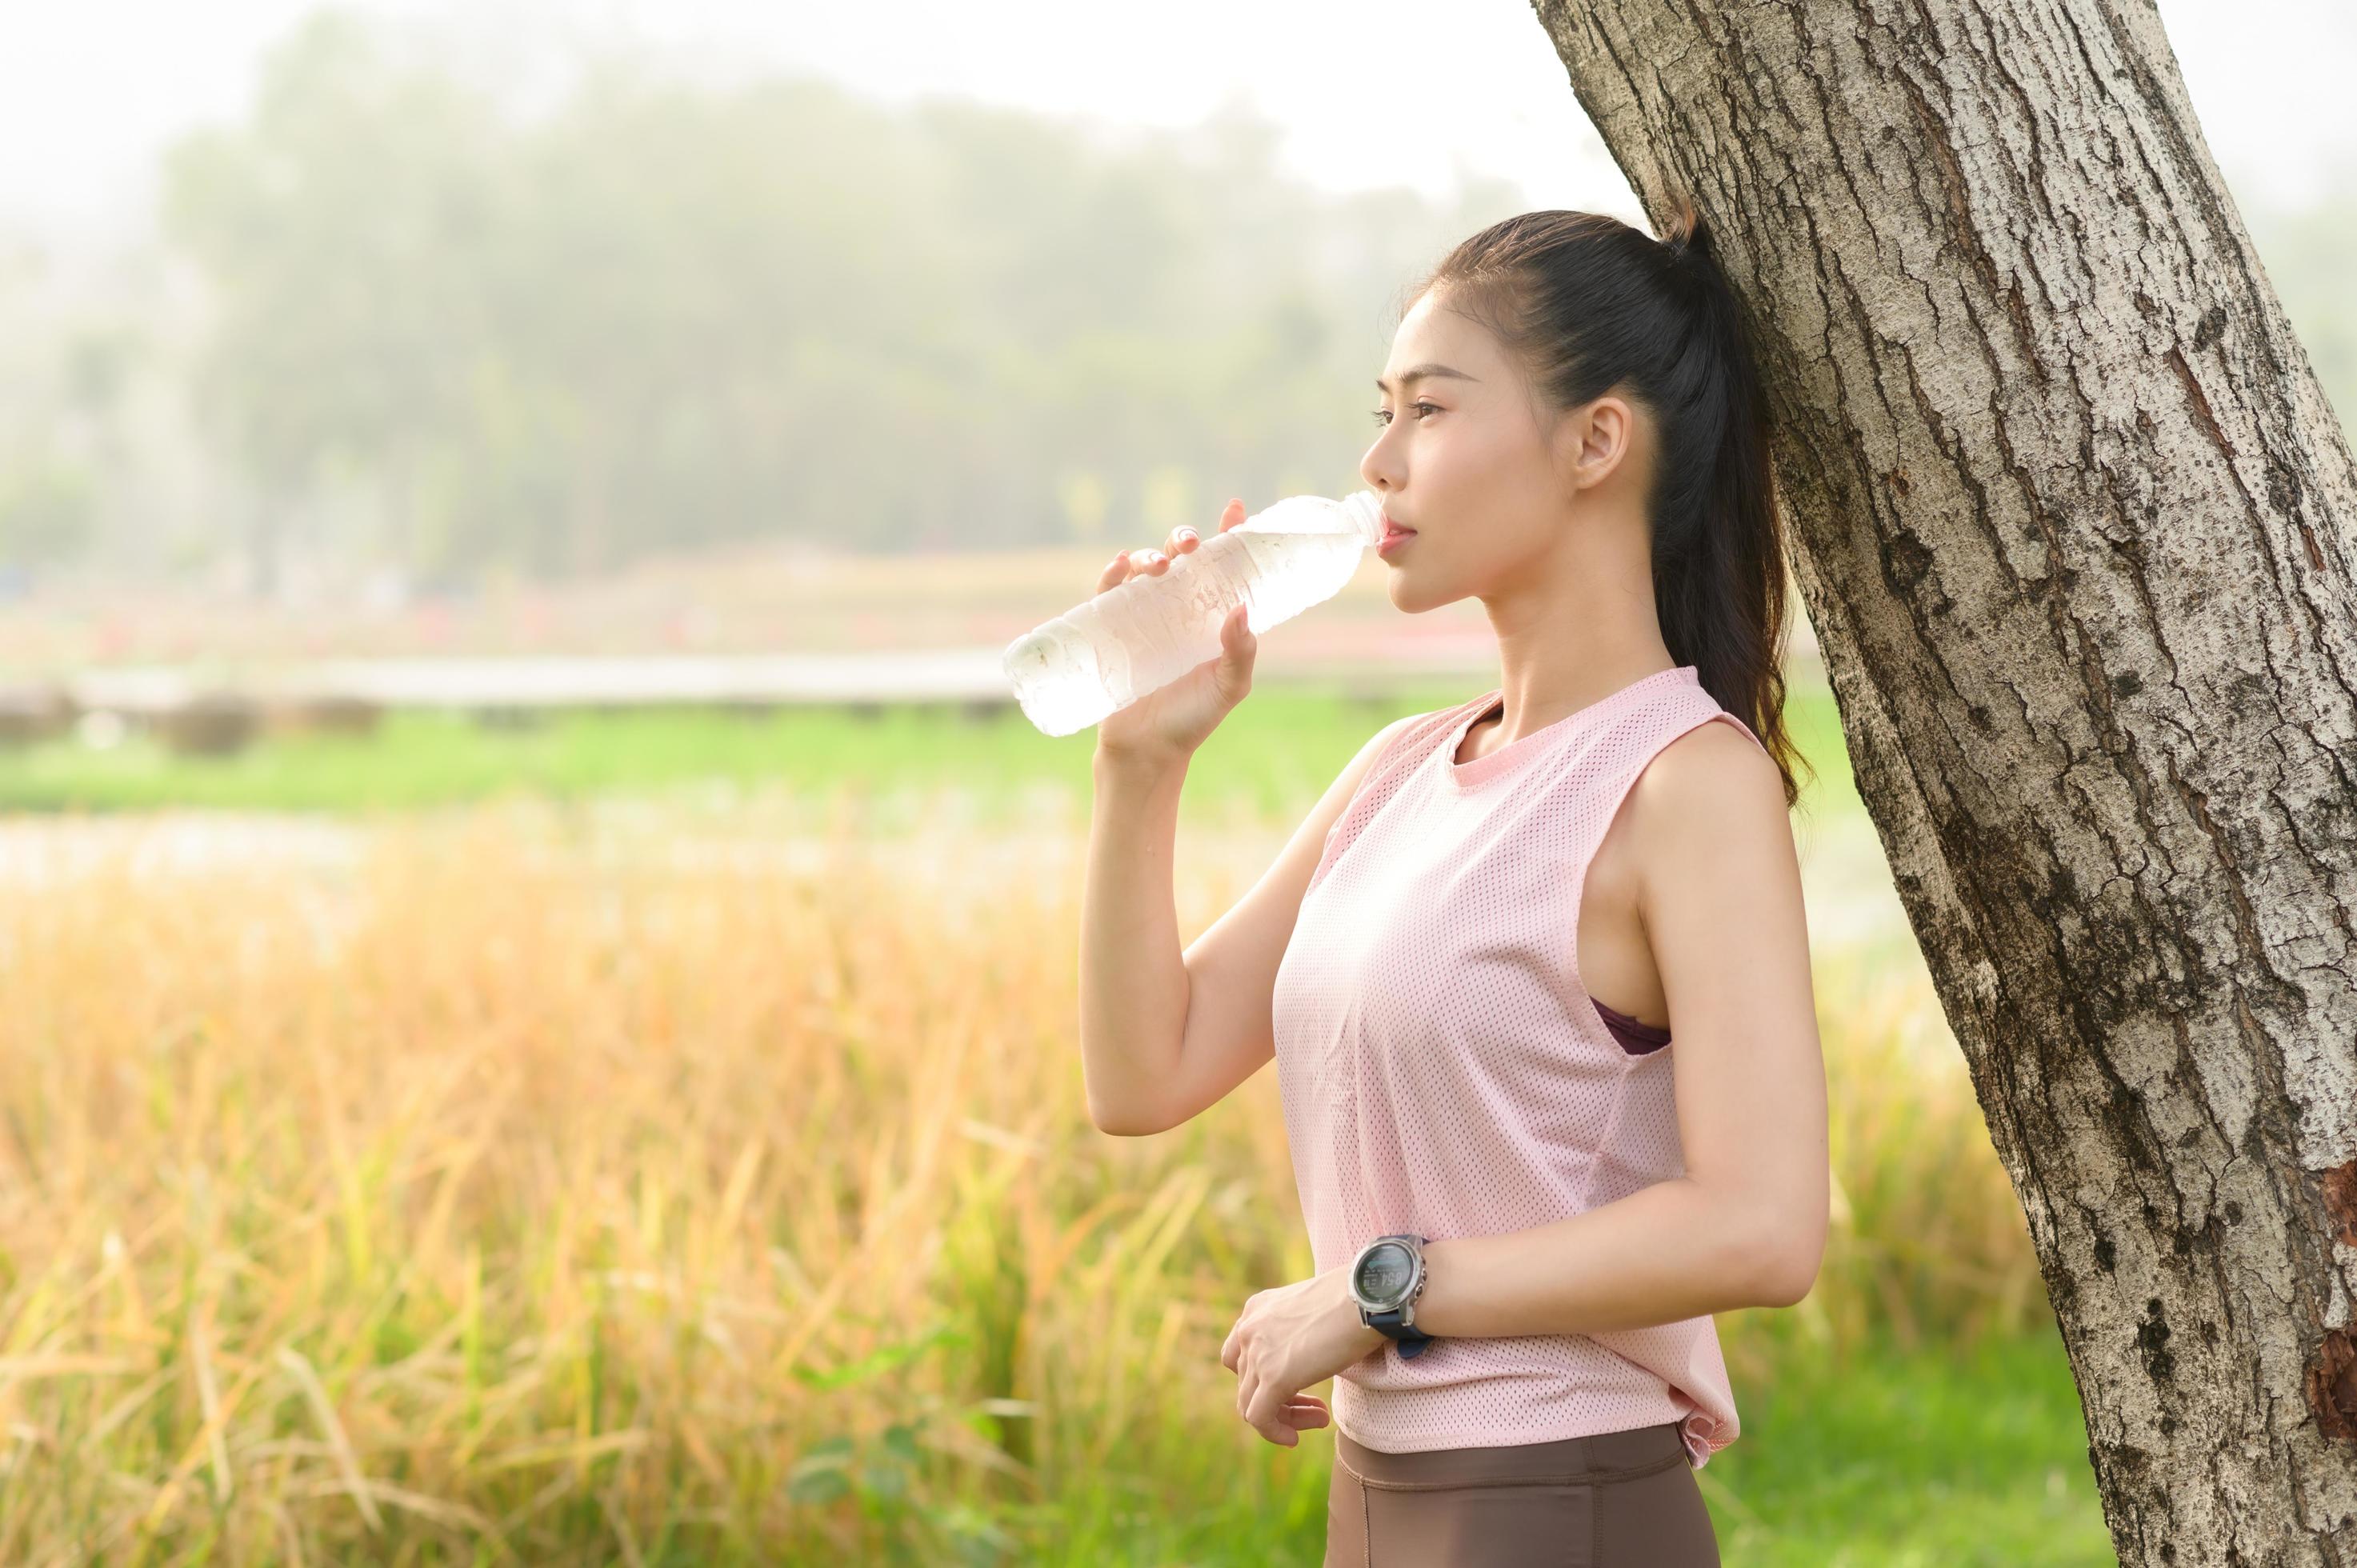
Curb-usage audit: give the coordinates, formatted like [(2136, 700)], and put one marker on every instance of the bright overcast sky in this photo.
[(1368, 92)]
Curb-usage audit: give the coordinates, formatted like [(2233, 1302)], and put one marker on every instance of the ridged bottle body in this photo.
[(1110, 649)]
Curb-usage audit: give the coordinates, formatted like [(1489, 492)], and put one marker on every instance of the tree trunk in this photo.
[(2075, 526)]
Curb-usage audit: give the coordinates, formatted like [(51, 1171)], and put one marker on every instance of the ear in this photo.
[(1593, 440)]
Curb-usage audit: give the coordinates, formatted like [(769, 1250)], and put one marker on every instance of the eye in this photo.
[(1384, 416)]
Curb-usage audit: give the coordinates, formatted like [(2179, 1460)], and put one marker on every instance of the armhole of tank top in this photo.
[(1336, 843), (1579, 889)]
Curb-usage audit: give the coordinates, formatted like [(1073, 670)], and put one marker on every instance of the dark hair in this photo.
[(1585, 303)]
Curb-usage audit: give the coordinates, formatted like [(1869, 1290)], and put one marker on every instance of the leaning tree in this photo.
[(2073, 522)]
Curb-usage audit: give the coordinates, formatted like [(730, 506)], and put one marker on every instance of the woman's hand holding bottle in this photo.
[(1166, 724)]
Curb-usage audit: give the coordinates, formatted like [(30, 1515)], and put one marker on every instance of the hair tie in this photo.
[(1686, 261)]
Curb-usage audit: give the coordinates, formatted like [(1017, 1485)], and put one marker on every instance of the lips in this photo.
[(1395, 531)]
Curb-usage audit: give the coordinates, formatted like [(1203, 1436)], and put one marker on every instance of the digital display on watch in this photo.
[(1386, 1272)]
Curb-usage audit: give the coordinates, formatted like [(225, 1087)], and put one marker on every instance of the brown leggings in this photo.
[(1611, 1501)]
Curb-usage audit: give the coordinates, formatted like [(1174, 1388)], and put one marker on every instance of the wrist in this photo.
[(1142, 766), (1370, 1336)]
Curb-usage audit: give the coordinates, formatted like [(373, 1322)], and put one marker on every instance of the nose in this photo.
[(1378, 468)]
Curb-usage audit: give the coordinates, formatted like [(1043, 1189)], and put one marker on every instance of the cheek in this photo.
[(1467, 456)]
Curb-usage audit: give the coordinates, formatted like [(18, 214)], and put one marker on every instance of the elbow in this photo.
[(1787, 1283), (1774, 1246), (1785, 1274), (1116, 1124)]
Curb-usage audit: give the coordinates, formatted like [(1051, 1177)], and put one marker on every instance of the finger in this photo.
[(1237, 645), (1231, 1352), (1115, 571), (1264, 1413), (1232, 672), (1232, 514), (1182, 539)]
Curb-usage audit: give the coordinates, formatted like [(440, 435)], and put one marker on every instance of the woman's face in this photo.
[(1464, 455)]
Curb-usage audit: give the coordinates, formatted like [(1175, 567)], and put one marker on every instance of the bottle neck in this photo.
[(1365, 510)]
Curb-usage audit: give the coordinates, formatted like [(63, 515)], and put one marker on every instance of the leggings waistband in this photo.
[(1597, 1457)]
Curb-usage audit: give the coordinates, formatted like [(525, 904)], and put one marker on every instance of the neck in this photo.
[(1579, 627)]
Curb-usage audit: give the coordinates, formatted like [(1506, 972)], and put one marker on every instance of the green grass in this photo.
[(1272, 757), (1882, 1459), (1938, 1459)]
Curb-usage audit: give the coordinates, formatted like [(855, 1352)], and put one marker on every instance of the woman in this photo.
[(1525, 1205)]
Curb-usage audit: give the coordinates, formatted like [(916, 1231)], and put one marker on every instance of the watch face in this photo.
[(1386, 1272)]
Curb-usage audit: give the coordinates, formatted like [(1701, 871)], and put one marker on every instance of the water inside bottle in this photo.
[(1109, 651)]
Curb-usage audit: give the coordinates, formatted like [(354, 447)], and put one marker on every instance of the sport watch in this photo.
[(1385, 1279)]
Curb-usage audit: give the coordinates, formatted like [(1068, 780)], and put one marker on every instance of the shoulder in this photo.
[(1709, 796), (1715, 752), (1408, 732), (1381, 741), (1354, 772), (1423, 723)]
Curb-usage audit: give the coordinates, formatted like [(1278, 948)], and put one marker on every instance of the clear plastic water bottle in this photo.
[(1108, 651)]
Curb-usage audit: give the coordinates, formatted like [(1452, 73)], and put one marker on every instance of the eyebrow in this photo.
[(1422, 372)]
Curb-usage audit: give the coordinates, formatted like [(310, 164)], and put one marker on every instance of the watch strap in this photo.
[(1411, 1341)]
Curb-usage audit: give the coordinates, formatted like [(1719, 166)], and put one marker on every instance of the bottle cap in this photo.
[(1365, 510)]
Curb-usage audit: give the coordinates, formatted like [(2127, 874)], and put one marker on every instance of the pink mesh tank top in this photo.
[(1444, 1071)]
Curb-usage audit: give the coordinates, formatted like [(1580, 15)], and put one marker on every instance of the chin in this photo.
[(1409, 597)]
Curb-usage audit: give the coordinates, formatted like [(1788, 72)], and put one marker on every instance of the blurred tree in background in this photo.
[(658, 313), (403, 316)]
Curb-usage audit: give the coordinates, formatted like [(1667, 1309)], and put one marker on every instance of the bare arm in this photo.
[(1166, 1035), (1720, 897), (1133, 985)]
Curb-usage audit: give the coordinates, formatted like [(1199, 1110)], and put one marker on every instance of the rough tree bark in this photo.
[(2075, 527)]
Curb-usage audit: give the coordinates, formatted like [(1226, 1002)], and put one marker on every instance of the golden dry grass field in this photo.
[(708, 1180)]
